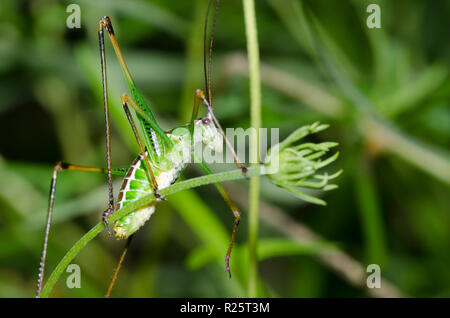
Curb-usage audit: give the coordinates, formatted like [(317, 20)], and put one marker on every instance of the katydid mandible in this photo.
[(162, 157)]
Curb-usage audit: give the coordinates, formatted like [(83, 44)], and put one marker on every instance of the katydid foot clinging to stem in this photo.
[(162, 154)]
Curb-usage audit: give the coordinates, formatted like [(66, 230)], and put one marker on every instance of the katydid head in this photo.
[(207, 133)]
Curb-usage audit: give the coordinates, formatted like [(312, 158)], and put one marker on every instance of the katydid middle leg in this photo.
[(126, 100), (61, 166)]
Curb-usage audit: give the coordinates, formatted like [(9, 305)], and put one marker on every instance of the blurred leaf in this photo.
[(412, 93), (267, 248), (371, 216), (145, 11)]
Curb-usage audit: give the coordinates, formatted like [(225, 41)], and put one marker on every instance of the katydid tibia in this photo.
[(163, 154)]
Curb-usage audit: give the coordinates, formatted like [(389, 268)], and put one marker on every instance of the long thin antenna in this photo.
[(207, 72), (205, 31)]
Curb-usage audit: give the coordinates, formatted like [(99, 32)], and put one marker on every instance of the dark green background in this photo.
[(392, 205)]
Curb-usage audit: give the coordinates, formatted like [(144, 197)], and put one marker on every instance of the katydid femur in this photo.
[(163, 154)]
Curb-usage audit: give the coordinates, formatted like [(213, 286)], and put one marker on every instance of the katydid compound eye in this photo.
[(206, 120)]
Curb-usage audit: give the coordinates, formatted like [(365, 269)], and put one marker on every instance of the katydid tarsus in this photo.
[(163, 154)]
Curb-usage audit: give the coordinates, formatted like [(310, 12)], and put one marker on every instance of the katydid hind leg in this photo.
[(110, 209), (149, 119)]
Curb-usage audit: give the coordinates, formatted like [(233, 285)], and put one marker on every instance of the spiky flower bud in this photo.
[(295, 165)]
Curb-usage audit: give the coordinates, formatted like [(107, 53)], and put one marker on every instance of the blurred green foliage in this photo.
[(385, 93)]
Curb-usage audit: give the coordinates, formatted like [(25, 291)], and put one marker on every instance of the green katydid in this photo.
[(163, 154)]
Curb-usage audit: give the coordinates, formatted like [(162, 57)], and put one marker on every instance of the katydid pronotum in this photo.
[(163, 154)]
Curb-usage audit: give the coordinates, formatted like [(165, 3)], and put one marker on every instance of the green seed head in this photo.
[(297, 164)]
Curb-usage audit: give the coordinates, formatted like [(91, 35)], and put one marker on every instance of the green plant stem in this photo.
[(180, 186), (255, 113)]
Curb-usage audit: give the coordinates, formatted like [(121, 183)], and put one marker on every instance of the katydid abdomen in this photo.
[(134, 186)]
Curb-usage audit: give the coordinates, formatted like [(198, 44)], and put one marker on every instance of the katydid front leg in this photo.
[(61, 166)]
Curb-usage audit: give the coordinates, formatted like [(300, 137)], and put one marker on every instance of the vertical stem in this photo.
[(255, 113)]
